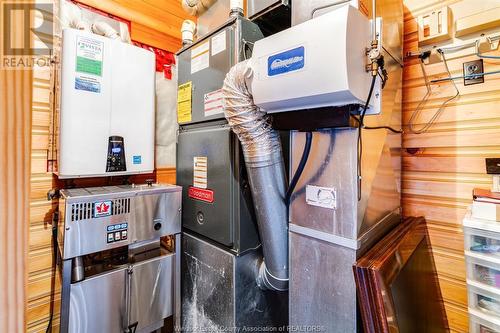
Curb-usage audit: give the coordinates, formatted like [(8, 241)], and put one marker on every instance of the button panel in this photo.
[(117, 232)]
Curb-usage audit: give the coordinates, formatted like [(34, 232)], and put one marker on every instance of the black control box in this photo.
[(116, 155)]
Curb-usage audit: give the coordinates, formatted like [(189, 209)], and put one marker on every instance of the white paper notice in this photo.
[(219, 43), (213, 102), (200, 57)]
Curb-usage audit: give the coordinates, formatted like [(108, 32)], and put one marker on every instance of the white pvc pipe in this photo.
[(187, 30), (236, 6)]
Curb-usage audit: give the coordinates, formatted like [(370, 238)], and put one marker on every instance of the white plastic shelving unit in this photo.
[(482, 255)]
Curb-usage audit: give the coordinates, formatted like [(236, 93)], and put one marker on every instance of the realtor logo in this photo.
[(27, 33), (102, 208)]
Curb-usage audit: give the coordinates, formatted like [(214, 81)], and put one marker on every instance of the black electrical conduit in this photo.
[(300, 168)]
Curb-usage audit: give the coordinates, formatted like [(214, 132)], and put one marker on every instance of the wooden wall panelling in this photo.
[(447, 162), (41, 275), (148, 36), (166, 175), (15, 141)]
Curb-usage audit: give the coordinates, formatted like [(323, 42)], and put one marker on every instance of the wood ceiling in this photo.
[(154, 22)]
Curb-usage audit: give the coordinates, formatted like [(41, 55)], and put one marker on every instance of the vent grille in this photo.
[(121, 206), (81, 211), (85, 210)]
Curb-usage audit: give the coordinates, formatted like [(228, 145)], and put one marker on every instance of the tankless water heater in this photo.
[(107, 98)]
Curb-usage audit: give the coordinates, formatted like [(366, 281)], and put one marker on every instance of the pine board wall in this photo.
[(449, 160)]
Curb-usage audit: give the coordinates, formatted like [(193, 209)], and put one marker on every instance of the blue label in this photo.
[(111, 227), (87, 85), (285, 62), (124, 225), (137, 159)]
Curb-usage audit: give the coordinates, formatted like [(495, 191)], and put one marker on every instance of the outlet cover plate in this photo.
[(473, 67)]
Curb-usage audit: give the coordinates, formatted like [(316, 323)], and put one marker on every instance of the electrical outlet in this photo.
[(471, 68), (493, 166)]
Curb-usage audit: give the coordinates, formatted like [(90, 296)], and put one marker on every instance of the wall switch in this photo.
[(435, 26), (471, 68)]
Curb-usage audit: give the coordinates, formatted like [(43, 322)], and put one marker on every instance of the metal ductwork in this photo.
[(264, 163), (196, 7)]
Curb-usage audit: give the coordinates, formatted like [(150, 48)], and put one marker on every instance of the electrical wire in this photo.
[(360, 138), (423, 102), (300, 168), (53, 277), (469, 76), (392, 129), (480, 55)]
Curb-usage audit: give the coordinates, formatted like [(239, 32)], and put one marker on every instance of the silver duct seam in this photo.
[(264, 162)]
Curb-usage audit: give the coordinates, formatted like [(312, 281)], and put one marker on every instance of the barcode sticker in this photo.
[(200, 167)]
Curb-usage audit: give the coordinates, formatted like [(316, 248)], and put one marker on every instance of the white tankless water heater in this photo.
[(107, 107)]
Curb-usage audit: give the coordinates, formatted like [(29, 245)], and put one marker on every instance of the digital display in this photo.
[(116, 150)]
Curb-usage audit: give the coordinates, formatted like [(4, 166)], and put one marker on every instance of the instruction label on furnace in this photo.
[(219, 43), (200, 57), (200, 171), (89, 54), (213, 102), (184, 95)]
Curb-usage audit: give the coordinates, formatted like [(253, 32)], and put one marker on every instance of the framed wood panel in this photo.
[(397, 283)]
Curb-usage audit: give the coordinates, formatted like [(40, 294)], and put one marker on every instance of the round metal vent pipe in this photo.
[(261, 147)]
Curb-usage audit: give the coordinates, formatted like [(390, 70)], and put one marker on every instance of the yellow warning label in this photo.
[(184, 94)]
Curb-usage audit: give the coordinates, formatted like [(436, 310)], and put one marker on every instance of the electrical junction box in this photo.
[(107, 107), (318, 63)]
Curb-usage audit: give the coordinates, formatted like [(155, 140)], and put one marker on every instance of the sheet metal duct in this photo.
[(264, 162)]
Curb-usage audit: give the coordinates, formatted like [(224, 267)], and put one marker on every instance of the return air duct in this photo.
[(264, 162)]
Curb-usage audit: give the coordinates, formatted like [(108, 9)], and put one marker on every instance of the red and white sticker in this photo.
[(201, 194), (200, 171), (213, 103), (102, 208)]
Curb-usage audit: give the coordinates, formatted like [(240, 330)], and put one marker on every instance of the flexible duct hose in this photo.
[(264, 162), (196, 7), (104, 29)]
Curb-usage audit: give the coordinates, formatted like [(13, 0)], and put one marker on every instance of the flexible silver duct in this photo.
[(196, 7), (264, 162)]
